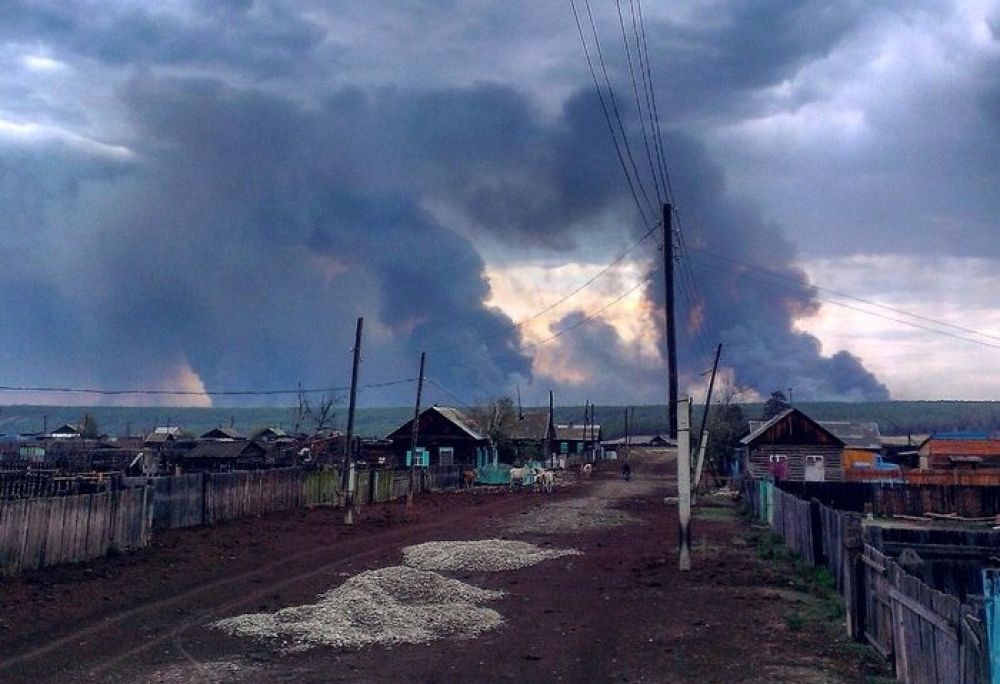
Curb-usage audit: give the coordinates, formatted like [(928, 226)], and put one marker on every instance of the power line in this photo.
[(607, 115), (569, 295), (195, 393), (804, 290), (869, 302)]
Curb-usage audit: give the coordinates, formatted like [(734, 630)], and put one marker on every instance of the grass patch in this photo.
[(714, 513)]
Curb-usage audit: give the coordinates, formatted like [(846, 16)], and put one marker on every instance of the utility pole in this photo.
[(520, 411), (702, 445), (552, 422), (684, 484), (413, 438), (349, 451), (586, 425), (627, 448), (668, 277)]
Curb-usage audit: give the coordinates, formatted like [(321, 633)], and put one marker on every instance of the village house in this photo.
[(222, 455), (959, 450), (792, 446), (448, 436), (221, 434), (574, 440), (529, 435)]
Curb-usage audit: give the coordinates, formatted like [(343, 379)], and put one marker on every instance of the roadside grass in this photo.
[(821, 608)]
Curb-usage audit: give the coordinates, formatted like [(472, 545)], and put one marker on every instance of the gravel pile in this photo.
[(563, 517), (486, 555), (388, 606)]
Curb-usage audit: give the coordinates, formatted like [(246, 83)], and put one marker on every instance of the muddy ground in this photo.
[(620, 612)]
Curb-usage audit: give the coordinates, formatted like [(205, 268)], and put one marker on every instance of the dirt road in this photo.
[(619, 611)]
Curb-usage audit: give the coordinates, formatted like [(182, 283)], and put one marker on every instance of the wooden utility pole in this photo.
[(413, 437), (702, 445), (520, 411), (349, 451), (668, 278), (684, 483), (586, 426)]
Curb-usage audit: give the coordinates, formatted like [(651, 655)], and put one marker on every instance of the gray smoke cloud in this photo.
[(259, 173)]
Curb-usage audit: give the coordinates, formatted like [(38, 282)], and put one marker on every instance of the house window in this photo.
[(446, 456), (564, 447)]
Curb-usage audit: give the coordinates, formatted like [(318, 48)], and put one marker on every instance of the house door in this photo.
[(814, 469)]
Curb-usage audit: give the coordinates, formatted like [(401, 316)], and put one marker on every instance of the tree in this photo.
[(726, 425), (496, 418), (775, 405), (319, 417)]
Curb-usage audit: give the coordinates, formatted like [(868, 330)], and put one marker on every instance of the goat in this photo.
[(586, 469)]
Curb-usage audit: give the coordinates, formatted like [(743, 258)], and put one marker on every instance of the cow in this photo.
[(468, 478)]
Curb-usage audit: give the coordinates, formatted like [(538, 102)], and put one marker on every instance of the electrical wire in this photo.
[(188, 393)]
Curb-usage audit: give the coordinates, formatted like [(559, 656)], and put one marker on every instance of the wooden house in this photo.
[(449, 436), (959, 450), (575, 439), (862, 443), (530, 435), (218, 455), (792, 446), (221, 434), (163, 437)]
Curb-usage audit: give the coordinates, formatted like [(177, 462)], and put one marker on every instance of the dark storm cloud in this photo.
[(263, 36)]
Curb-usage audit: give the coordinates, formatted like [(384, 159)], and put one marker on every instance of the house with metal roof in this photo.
[(449, 436), (792, 446), (959, 450)]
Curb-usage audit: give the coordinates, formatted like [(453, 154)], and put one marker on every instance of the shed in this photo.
[(163, 436), (959, 450), (862, 442), (792, 446), (450, 437)]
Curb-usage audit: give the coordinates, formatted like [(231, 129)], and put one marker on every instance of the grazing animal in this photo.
[(586, 469), (518, 474), (468, 478), (547, 479)]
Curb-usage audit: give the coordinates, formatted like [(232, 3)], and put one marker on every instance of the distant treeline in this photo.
[(893, 417)]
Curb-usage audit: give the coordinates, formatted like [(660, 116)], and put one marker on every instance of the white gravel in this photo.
[(388, 606), (485, 555), (565, 517)]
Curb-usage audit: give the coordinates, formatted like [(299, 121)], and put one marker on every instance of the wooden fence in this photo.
[(930, 637), (36, 533)]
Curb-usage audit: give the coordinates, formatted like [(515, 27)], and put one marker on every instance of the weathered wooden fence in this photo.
[(930, 637), (35, 533), (244, 494), (38, 532)]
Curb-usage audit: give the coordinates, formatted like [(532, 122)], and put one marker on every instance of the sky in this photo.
[(204, 196)]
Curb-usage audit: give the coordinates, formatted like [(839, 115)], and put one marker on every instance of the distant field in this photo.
[(893, 418)]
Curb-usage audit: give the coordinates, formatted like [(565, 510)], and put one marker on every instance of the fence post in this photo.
[(854, 581), (991, 596)]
